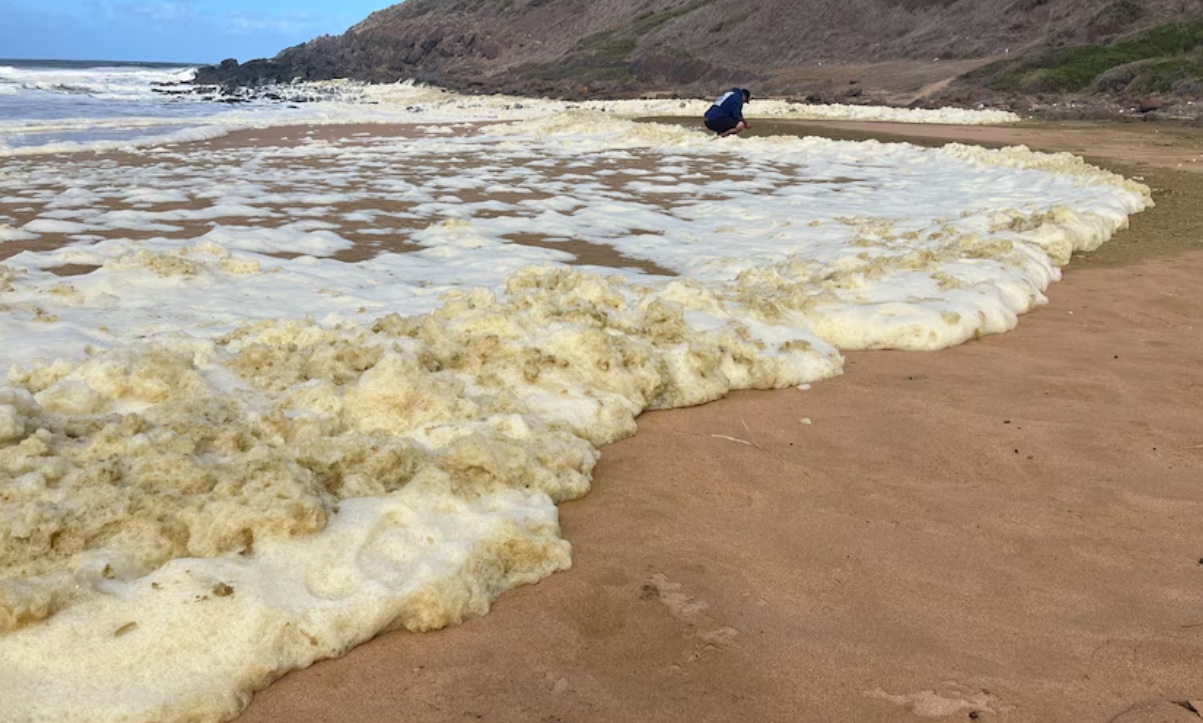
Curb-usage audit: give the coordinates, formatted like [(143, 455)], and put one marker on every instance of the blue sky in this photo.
[(204, 31)]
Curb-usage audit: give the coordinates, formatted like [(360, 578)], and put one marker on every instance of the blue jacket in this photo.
[(728, 105)]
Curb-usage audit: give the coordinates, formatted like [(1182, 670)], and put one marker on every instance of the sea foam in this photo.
[(120, 109), (222, 461)]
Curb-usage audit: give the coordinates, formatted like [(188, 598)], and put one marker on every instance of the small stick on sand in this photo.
[(749, 430), (734, 439)]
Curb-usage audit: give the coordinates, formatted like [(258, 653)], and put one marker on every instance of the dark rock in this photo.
[(1147, 105)]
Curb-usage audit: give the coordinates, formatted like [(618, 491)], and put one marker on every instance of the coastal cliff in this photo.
[(891, 51)]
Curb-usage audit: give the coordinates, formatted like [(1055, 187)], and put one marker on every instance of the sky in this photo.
[(191, 31)]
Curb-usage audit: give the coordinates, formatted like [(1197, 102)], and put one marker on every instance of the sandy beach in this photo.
[(1005, 530)]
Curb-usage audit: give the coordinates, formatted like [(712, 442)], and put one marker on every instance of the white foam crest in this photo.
[(109, 82), (425, 99), (8, 233), (771, 108)]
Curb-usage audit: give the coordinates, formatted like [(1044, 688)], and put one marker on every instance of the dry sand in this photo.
[(1006, 530)]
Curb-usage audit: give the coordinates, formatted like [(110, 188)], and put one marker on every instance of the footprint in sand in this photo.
[(680, 604), (689, 610), (1162, 711), (930, 704)]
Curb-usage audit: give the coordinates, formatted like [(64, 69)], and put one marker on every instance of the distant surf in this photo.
[(77, 105)]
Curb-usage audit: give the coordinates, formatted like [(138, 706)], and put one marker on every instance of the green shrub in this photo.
[(1167, 53)]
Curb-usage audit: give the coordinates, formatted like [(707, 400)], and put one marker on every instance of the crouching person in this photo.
[(726, 116)]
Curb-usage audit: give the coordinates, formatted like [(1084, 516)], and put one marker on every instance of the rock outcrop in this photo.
[(859, 50)]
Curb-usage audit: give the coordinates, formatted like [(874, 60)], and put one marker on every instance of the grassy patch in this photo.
[(610, 46), (605, 57), (617, 43), (1158, 58), (415, 8)]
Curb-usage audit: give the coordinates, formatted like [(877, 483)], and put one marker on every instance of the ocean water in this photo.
[(264, 400), (74, 101), (87, 104)]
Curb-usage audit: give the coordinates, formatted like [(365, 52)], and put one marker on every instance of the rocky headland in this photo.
[(1060, 58)]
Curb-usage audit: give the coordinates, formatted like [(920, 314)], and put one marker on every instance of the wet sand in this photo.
[(366, 242), (1006, 530)]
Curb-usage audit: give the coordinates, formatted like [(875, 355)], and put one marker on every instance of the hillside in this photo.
[(895, 51)]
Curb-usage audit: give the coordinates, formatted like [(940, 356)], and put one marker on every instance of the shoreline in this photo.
[(893, 558), (1170, 161), (724, 495)]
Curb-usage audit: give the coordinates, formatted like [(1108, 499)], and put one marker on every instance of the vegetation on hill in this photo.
[(1167, 58)]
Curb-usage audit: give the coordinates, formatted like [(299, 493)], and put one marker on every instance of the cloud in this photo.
[(291, 24), (159, 11)]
